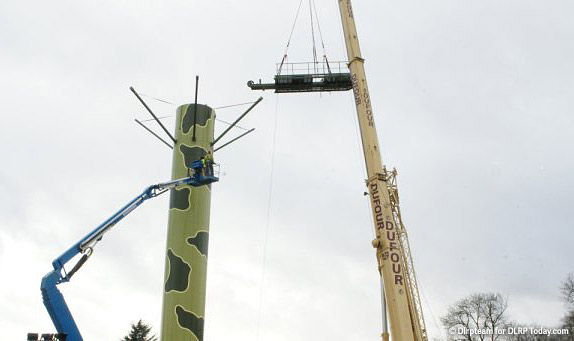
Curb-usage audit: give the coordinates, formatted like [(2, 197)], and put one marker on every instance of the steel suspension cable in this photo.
[(313, 37), (290, 36), (157, 99), (321, 37), (267, 224)]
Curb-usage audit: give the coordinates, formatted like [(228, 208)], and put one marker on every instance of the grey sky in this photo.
[(473, 103)]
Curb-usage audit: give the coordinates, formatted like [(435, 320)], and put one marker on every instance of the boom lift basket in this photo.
[(201, 175), (308, 77)]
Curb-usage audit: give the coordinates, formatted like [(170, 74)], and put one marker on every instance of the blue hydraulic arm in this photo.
[(53, 298)]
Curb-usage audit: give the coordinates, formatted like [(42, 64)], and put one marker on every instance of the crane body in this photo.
[(53, 299), (391, 242), (399, 289)]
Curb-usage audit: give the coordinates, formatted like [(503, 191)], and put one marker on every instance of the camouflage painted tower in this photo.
[(188, 230)]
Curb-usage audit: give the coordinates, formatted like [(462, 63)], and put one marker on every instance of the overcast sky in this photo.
[(473, 102)]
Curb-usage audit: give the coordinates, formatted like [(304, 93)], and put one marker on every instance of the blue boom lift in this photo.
[(53, 298)]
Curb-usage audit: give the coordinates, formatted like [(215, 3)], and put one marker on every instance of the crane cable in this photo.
[(289, 40), (269, 205), (312, 10), (321, 37), (313, 37), (436, 324)]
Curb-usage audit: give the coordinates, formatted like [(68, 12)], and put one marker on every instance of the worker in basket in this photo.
[(208, 161), (198, 168)]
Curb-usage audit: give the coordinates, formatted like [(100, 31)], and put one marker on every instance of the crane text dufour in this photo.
[(388, 228)]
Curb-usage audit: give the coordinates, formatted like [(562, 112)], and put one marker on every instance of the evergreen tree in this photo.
[(140, 332)]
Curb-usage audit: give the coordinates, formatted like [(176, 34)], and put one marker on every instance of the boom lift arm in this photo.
[(53, 298)]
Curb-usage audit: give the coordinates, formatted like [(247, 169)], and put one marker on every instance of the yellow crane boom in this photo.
[(391, 242), (399, 291)]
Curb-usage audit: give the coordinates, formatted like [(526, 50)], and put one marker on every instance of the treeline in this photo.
[(485, 317)]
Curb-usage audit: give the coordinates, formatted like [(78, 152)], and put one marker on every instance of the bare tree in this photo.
[(568, 323), (483, 313), (494, 312), (567, 290)]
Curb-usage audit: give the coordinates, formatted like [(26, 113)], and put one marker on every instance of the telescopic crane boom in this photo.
[(399, 290), (391, 242)]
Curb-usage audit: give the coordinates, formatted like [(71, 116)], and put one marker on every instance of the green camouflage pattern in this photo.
[(185, 277)]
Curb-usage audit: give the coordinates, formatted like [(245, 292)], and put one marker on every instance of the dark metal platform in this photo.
[(314, 78)]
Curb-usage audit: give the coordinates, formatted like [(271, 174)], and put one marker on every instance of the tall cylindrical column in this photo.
[(188, 231)]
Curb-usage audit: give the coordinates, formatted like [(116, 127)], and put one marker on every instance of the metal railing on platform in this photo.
[(310, 68), (207, 170)]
